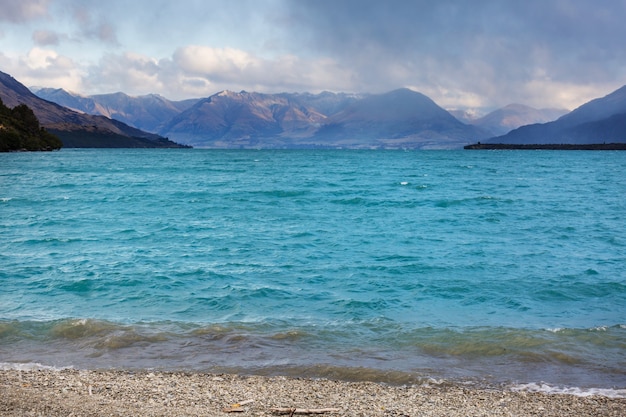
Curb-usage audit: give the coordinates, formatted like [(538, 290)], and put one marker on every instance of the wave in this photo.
[(577, 391), (455, 341), (360, 374), (383, 349), (29, 366)]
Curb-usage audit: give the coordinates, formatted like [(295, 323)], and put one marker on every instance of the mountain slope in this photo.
[(229, 119), (598, 121), (75, 129), (510, 117), (20, 130), (400, 118), (596, 110), (147, 112)]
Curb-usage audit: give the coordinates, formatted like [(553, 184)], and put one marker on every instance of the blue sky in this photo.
[(477, 54)]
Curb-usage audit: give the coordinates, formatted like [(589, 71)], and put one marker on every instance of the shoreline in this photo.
[(145, 393), (615, 146)]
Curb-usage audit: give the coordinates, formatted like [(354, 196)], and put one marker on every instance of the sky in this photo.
[(464, 54)]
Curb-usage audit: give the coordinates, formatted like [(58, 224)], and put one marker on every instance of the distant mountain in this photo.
[(598, 121), (251, 120), (76, 129), (149, 112), (326, 103), (513, 116), (399, 119), (597, 109)]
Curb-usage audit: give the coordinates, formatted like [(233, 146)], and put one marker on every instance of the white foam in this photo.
[(555, 330), (600, 328), (433, 382), (29, 366), (580, 392)]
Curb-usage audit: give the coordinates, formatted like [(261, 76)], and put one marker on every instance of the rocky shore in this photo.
[(121, 393)]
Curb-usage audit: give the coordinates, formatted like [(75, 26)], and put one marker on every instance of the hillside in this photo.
[(602, 120), (249, 120), (505, 119), (20, 130), (149, 112), (76, 129), (399, 119)]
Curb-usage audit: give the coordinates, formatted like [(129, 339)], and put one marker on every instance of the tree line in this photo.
[(20, 130)]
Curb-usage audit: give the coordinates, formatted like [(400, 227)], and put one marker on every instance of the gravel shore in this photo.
[(120, 393)]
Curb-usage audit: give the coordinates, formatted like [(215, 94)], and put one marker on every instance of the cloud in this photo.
[(200, 71), (128, 72), (483, 53), (94, 26), (493, 48), (46, 37), (18, 11), (241, 69), (45, 68), (220, 63), (229, 68), (47, 62)]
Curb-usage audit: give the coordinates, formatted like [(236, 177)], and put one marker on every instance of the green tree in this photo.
[(20, 130)]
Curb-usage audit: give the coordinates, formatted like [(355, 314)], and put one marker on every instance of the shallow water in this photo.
[(496, 266)]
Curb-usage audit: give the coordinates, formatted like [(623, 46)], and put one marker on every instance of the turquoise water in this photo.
[(490, 266)]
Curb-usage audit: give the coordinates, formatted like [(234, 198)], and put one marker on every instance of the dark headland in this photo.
[(555, 147)]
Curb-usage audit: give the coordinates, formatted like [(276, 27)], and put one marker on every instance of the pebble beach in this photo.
[(70, 392)]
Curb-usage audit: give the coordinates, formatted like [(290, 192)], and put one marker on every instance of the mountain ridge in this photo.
[(401, 118), (137, 111), (514, 115), (76, 129), (602, 120), (147, 112), (398, 119)]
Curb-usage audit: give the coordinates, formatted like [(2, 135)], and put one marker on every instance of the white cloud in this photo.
[(226, 63), (129, 72), (39, 58), (200, 71), (45, 68)]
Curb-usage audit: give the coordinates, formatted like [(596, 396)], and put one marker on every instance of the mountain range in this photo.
[(250, 120), (143, 112), (78, 129), (244, 119), (398, 119)]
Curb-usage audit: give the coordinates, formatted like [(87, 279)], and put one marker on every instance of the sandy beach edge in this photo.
[(124, 393)]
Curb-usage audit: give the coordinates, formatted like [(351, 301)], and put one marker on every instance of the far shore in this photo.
[(124, 393), (553, 146)]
